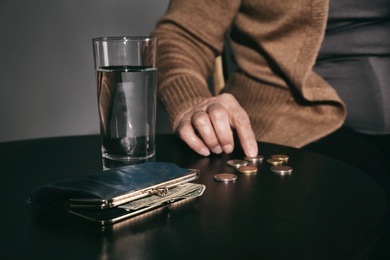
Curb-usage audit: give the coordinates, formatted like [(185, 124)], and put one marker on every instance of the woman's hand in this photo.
[(209, 126)]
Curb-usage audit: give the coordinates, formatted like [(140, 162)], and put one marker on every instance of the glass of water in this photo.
[(126, 77)]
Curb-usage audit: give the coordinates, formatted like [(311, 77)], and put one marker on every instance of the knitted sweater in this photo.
[(275, 45)]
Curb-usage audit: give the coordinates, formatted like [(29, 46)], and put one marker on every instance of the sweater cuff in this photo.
[(182, 94)]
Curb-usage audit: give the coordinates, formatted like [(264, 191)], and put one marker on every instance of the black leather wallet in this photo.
[(106, 197)]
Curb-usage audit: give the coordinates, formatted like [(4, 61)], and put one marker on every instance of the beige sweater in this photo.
[(275, 44)]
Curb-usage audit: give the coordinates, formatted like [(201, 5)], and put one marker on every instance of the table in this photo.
[(324, 209)]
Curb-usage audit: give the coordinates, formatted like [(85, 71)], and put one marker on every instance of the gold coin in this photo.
[(247, 169), (281, 157), (275, 161), (258, 158), (225, 177), (282, 169), (237, 163)]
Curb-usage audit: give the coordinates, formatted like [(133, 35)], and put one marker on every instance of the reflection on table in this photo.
[(324, 209)]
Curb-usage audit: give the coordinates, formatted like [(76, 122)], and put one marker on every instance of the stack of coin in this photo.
[(254, 159), (282, 169), (275, 161), (281, 157), (249, 169), (243, 165), (236, 163), (248, 166), (279, 162), (225, 177)]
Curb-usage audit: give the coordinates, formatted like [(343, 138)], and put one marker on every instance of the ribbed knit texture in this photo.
[(180, 95), (275, 45), (277, 118)]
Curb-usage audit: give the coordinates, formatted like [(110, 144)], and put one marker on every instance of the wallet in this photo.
[(107, 197)]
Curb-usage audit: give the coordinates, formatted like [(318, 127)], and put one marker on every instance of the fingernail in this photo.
[(228, 148), (217, 150), (252, 151), (204, 152)]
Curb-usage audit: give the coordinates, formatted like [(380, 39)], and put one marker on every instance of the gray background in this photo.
[(47, 78)]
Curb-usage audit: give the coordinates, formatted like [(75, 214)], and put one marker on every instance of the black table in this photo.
[(325, 209)]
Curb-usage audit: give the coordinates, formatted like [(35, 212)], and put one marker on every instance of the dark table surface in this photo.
[(324, 209)]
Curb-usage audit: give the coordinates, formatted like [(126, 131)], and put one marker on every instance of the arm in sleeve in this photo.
[(191, 34)]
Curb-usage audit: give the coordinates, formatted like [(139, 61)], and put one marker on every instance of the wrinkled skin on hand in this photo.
[(209, 126)]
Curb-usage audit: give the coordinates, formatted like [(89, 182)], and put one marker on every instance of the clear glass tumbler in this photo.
[(126, 77)]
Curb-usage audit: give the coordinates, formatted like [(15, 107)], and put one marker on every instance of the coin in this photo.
[(237, 163), (282, 169), (254, 159), (225, 177), (247, 169), (275, 161), (281, 157)]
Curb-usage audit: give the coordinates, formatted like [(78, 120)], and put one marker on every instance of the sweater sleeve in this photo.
[(190, 34)]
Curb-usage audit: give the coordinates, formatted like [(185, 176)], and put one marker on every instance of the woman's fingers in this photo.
[(209, 126)]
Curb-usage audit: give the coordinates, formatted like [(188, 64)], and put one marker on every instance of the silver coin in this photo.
[(225, 177), (258, 158), (282, 169), (237, 163)]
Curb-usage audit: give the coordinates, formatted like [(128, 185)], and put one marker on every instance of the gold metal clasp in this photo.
[(161, 191)]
